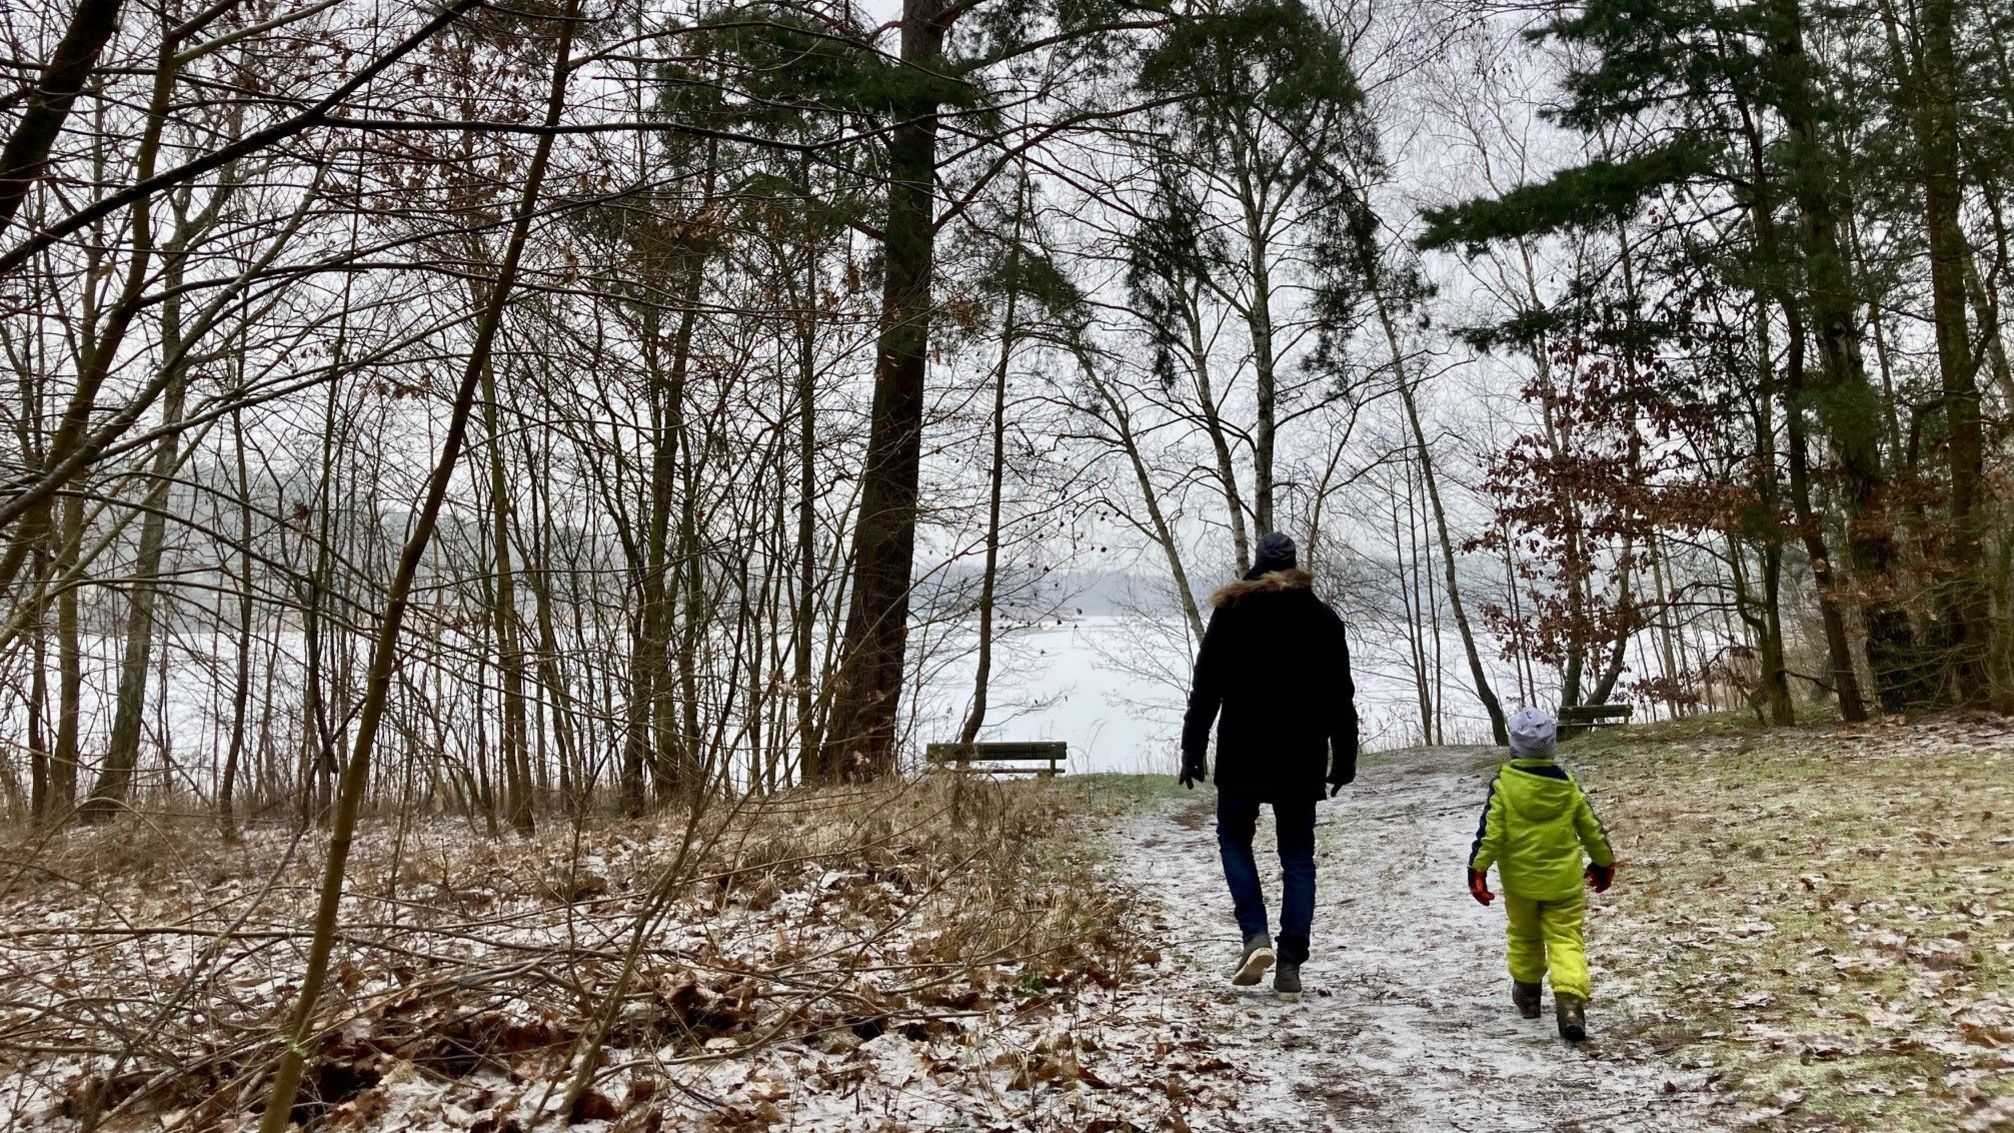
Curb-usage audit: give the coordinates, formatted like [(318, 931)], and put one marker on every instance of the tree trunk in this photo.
[(1478, 676), (1406, 565), (115, 774), (806, 614), (1668, 653), (654, 736), (1775, 676), (1767, 529), (690, 774), (1259, 324), (1770, 250), (122, 752), (1845, 680), (645, 641), (241, 685), (70, 662), (565, 719), (996, 474), (518, 801), (1967, 602), (1843, 400), (1220, 445), (1611, 672), (41, 121), (860, 734), (318, 737), (1423, 601), (1157, 526), (38, 702)]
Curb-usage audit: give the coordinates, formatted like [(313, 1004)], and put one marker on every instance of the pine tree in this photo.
[(1726, 103)]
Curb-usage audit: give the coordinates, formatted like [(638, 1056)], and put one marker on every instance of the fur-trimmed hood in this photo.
[(1272, 581)]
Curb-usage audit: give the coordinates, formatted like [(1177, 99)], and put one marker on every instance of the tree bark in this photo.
[(1157, 526), (38, 701), (566, 720), (1478, 676), (241, 685), (860, 733), (122, 752), (1845, 679), (1259, 324), (1220, 445), (1775, 676), (996, 475), (518, 800), (648, 639), (1843, 400), (1967, 602), (1770, 249), (805, 614), (69, 661), (1767, 530), (41, 121)]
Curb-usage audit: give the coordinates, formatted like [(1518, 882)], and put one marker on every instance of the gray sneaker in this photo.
[(1258, 957), (1287, 980)]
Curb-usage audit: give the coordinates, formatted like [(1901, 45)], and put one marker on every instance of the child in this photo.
[(1533, 829)]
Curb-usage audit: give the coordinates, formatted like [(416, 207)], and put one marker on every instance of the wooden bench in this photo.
[(961, 758), (1587, 717)]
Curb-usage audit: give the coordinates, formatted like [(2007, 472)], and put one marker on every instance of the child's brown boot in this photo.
[(1572, 1012), (1525, 997)]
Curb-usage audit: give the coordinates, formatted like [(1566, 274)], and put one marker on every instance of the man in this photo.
[(1275, 663)]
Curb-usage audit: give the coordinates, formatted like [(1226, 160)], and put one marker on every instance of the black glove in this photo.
[(1342, 772), (1599, 877), (1194, 770)]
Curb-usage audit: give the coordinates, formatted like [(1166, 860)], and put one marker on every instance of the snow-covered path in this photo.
[(1406, 1023)]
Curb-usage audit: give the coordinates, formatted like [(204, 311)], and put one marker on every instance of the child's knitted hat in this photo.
[(1533, 733)]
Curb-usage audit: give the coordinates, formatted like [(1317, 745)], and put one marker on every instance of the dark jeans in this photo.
[(1237, 818)]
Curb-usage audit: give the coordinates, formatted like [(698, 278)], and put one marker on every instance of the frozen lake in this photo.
[(1111, 686)]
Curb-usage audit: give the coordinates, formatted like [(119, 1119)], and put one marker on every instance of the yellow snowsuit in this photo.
[(1533, 829)]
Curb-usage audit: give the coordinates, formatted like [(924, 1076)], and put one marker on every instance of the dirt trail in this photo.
[(1406, 1024)]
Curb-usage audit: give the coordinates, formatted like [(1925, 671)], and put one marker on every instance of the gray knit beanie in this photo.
[(1533, 733)]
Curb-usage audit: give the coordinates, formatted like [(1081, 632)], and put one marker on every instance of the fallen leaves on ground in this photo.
[(897, 957), (1823, 914)]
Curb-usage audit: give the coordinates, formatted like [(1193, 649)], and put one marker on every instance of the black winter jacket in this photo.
[(1275, 661)]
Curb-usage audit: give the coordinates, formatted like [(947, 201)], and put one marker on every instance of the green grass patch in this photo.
[(1825, 915), (1113, 793)]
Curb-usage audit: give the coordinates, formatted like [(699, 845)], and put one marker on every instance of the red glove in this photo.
[(1600, 876), (1479, 887)]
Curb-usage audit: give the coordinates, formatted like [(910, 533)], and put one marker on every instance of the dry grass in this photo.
[(147, 965), (1825, 915)]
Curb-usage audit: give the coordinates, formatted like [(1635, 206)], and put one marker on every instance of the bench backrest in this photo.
[(1582, 713), (1032, 751)]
